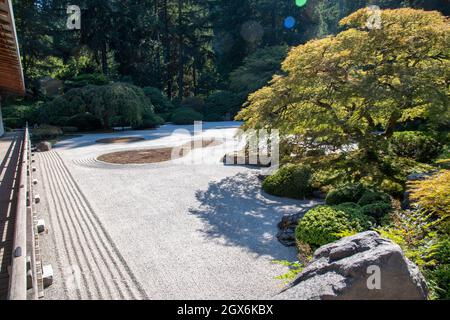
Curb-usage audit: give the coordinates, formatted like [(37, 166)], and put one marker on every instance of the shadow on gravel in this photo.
[(236, 210)]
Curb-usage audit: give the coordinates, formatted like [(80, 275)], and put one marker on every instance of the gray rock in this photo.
[(420, 176), (287, 227), (342, 271), (44, 146)]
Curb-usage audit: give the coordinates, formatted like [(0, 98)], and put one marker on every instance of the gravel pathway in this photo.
[(81, 242), (171, 230)]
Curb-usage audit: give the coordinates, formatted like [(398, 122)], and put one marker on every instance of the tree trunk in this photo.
[(180, 52), (166, 45), (104, 58)]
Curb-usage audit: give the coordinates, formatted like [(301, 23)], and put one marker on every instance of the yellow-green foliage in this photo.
[(424, 234), (433, 195), (339, 89)]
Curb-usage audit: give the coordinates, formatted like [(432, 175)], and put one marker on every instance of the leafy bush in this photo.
[(16, 116), (161, 103), (214, 117), (109, 102), (376, 210), (257, 70), (69, 129), (16, 123), (195, 103), (323, 224), (84, 122), (423, 234), (46, 132), (185, 116), (85, 79), (221, 103), (371, 196), (416, 145), (433, 195), (150, 122), (393, 188), (346, 193), (292, 181)]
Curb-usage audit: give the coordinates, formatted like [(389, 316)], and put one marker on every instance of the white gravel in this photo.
[(171, 230)]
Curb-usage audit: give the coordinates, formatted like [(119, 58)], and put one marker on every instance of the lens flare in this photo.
[(289, 22), (300, 3)]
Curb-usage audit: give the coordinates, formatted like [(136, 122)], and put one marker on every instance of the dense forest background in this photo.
[(182, 47)]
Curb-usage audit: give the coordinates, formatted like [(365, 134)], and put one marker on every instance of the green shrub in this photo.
[(84, 122), (195, 103), (161, 103), (69, 129), (46, 132), (323, 224), (150, 122), (214, 117), (395, 189), (107, 103), (85, 79), (373, 196), (186, 116), (346, 193), (292, 181), (16, 123), (16, 116), (416, 145), (221, 103), (376, 210)]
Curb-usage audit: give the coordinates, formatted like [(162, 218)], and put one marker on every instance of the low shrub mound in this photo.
[(195, 103), (416, 145), (84, 122), (324, 224), (376, 210), (291, 181), (347, 193), (219, 104), (46, 132), (161, 103), (370, 197), (184, 116)]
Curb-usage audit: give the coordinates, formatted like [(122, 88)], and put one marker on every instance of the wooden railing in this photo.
[(23, 241)]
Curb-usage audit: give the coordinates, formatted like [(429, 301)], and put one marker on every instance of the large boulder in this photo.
[(360, 267), (43, 146)]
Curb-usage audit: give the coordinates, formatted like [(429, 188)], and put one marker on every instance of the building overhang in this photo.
[(11, 73)]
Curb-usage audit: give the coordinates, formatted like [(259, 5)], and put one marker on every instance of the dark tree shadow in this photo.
[(238, 213)]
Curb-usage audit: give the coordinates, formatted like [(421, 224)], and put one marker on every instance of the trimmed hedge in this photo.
[(376, 210), (291, 181), (46, 132), (186, 116), (161, 103), (416, 145), (84, 122), (196, 103), (347, 193), (322, 225), (222, 102), (370, 197)]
